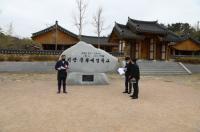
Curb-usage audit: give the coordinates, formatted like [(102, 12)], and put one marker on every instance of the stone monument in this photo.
[(88, 65)]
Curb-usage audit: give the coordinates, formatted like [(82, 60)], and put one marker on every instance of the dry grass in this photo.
[(2, 58), (43, 58)]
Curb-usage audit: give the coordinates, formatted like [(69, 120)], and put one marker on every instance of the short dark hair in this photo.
[(134, 60), (127, 58)]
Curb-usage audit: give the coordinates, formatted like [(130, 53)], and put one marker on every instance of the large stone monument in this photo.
[(88, 65)]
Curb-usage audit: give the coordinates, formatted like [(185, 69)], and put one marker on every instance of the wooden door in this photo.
[(163, 49), (158, 51), (137, 50), (151, 51), (144, 50)]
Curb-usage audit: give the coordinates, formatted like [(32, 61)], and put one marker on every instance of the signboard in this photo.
[(87, 78), (84, 57)]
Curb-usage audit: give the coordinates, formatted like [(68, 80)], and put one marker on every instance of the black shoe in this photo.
[(58, 92), (131, 96), (134, 97), (125, 92), (129, 92), (65, 92)]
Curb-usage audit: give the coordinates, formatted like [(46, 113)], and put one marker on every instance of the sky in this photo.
[(29, 16)]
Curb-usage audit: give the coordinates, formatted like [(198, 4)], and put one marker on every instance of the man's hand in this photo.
[(130, 77), (66, 66)]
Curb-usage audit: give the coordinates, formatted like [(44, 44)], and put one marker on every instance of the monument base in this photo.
[(79, 78)]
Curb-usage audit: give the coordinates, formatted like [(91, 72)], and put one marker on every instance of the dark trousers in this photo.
[(128, 87), (135, 88), (62, 81)]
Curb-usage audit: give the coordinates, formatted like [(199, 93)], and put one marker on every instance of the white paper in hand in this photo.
[(121, 71), (63, 68)]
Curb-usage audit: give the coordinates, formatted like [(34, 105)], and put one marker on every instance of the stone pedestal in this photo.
[(80, 78)]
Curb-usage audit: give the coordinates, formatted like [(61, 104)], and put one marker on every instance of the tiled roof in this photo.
[(124, 32), (53, 28), (134, 29), (94, 40), (146, 26), (183, 38), (172, 37), (88, 39)]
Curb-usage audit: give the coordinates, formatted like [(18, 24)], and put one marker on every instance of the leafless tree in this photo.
[(98, 23), (0, 27), (1, 30), (198, 25), (10, 29), (80, 17)]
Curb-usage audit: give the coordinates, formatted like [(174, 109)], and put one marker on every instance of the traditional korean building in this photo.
[(143, 39), (55, 37), (186, 46), (58, 38)]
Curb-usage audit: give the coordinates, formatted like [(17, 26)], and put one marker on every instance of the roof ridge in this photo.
[(51, 28), (191, 38), (119, 24), (142, 21), (67, 30), (93, 36), (48, 28)]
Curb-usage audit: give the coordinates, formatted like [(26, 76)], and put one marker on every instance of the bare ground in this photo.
[(29, 103)]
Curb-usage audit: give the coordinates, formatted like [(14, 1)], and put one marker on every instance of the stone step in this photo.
[(162, 74), (194, 68), (161, 68), (162, 71)]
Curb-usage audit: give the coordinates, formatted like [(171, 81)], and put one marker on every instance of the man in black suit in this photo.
[(135, 75), (62, 66), (128, 88)]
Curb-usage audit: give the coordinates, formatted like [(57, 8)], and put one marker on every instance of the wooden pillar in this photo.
[(130, 49), (167, 52), (193, 53), (139, 50), (120, 46), (137, 45), (174, 53), (155, 52), (134, 49), (152, 49), (123, 46)]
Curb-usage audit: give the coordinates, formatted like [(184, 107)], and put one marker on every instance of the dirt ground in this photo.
[(29, 103)]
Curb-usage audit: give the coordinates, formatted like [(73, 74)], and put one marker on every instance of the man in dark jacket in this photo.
[(62, 66), (135, 74), (128, 88)]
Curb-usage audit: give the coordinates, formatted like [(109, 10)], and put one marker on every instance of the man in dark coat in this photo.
[(135, 74), (62, 66), (127, 74)]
